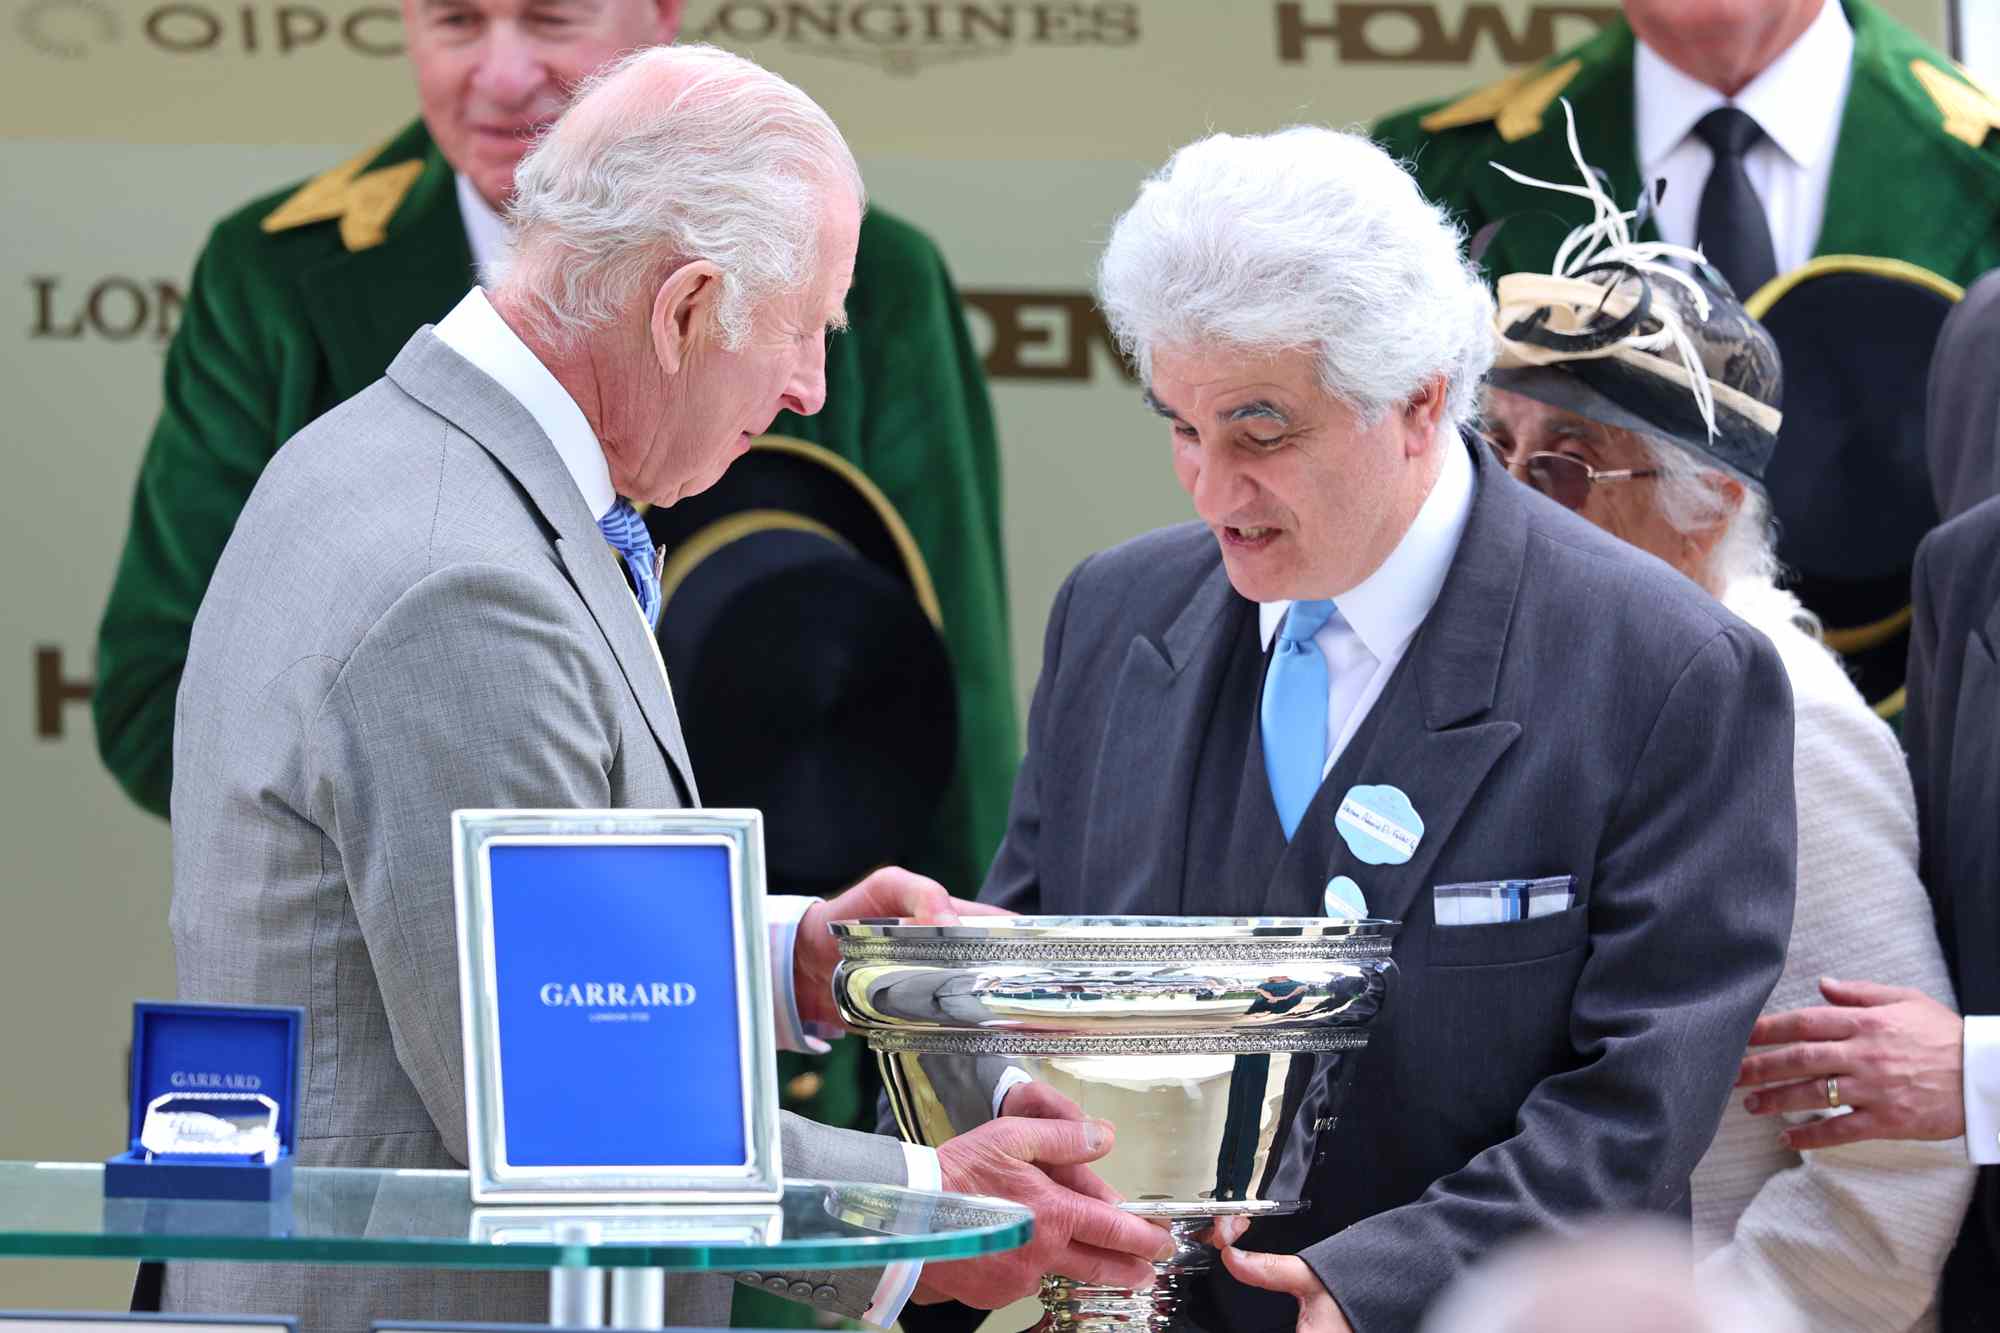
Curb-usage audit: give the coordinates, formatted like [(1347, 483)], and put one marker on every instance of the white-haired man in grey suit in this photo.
[(439, 597)]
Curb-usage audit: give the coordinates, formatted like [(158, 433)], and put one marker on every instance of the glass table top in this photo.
[(427, 1219)]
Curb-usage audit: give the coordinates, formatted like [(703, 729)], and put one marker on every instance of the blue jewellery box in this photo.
[(214, 1087)]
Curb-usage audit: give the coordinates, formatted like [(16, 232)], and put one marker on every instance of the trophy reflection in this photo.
[(1186, 1033)]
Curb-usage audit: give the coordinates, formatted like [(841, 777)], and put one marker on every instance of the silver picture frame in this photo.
[(495, 1178)]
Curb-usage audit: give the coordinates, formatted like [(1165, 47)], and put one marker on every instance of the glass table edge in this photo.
[(464, 1253), (711, 1258)]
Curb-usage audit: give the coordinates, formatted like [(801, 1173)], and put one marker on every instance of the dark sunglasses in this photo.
[(1564, 479)]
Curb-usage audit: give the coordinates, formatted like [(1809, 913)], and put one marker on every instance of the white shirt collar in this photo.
[(486, 232), (476, 332), (1795, 100), (1385, 609)]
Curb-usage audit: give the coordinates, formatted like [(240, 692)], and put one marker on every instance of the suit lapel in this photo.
[(1136, 850), (1421, 736), (593, 568), (439, 378), (1892, 131), (364, 305)]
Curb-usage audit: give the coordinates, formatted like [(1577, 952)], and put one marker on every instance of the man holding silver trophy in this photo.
[(1378, 680)]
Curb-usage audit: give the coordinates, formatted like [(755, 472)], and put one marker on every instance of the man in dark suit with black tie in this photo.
[(1378, 677)]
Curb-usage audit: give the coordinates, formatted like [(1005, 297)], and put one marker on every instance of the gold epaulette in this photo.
[(363, 201), (1514, 105), (1969, 111)]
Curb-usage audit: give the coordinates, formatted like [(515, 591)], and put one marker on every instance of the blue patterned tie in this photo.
[(626, 532), (1294, 712)]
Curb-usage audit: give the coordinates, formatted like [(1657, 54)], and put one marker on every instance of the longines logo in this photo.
[(72, 29), (181, 1078), (116, 309), (902, 38), (617, 1001), (1413, 34)]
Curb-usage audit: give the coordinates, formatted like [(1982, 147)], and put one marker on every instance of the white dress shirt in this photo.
[(1381, 614), (476, 332), (1797, 100), (486, 232), (1982, 1088)]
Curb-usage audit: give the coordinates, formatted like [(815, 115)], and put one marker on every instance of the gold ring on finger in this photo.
[(1833, 1092)]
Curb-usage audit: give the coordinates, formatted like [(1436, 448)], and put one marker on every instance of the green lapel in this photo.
[(1901, 186), (364, 305), (1601, 94)]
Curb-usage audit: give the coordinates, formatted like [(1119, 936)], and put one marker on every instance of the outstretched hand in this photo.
[(891, 891), (1894, 1055), (1079, 1231), (1286, 1274)]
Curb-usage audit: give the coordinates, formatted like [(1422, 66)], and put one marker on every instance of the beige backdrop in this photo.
[(1013, 132)]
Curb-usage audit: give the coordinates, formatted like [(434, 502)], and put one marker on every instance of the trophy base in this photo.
[(1080, 1307)]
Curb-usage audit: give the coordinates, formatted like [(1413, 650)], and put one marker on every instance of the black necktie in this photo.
[(1731, 227)]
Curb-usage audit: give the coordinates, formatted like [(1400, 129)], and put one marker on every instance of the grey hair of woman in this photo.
[(1686, 497), (1310, 239), (669, 155)]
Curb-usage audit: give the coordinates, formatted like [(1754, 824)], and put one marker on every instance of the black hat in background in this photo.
[(1850, 483), (802, 633)]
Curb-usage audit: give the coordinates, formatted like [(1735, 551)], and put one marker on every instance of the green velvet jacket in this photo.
[(1909, 181), (1902, 188), (279, 326)]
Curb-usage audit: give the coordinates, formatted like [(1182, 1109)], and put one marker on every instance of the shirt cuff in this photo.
[(1012, 1077), (899, 1280), (781, 918), (1982, 1088)]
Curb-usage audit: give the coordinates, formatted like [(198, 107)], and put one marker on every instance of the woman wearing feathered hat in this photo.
[(1632, 387)]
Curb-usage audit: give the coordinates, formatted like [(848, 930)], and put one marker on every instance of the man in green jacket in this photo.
[(302, 297), (1783, 132)]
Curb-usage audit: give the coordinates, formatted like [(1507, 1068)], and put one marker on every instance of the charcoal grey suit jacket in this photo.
[(416, 613), (1952, 731), (1569, 707)]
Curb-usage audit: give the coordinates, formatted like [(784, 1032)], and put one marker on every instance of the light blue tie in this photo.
[(626, 532), (1294, 712)]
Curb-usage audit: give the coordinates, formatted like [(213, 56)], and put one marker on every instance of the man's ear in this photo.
[(1421, 413), (684, 311)]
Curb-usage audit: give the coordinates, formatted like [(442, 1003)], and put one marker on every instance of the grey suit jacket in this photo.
[(415, 613), (1952, 731), (1569, 707)]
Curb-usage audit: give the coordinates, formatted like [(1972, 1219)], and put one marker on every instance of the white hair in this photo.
[(732, 166), (1690, 503), (1309, 239), (1617, 1276)]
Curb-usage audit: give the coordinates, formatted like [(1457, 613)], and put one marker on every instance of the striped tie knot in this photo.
[(626, 532)]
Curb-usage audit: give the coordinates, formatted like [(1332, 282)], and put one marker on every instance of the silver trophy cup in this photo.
[(1183, 1032)]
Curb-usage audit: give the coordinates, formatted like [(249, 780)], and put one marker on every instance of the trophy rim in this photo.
[(1109, 928)]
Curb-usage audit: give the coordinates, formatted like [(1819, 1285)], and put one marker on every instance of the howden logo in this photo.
[(1411, 34), (903, 38)]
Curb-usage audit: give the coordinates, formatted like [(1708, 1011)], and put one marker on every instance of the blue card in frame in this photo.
[(615, 995)]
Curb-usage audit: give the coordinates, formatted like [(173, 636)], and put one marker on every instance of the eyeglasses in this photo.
[(1565, 479)]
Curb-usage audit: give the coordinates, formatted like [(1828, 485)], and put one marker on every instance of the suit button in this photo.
[(824, 1294), (775, 1284), (750, 1279)]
